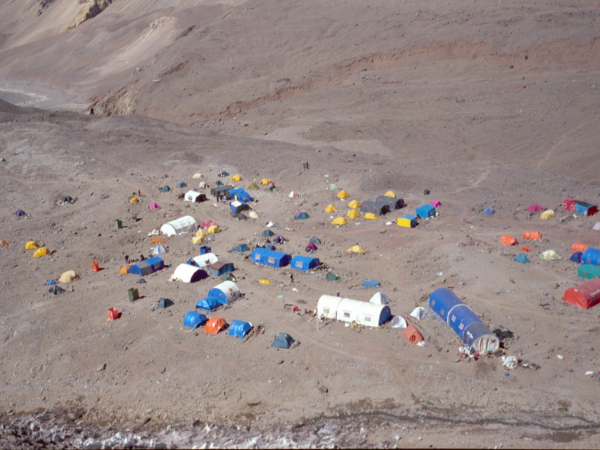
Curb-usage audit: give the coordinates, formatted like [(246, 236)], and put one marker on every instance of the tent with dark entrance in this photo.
[(378, 209), (239, 329), (194, 319), (219, 183), (56, 290), (164, 303), (283, 340), (392, 203), (241, 248), (181, 184), (20, 213)]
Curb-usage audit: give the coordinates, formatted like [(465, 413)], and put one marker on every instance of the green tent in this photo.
[(332, 187), (219, 183), (588, 271), (227, 276), (242, 248), (301, 216), (252, 187), (332, 277), (165, 188)]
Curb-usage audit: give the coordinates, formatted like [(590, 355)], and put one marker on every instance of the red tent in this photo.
[(585, 295), (535, 208), (207, 224)]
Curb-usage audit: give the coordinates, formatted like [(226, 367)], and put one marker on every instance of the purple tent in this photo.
[(436, 203)]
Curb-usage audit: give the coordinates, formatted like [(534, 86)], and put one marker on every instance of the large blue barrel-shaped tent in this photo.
[(463, 321), (591, 256)]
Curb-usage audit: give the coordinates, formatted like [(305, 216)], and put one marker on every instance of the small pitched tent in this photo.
[(253, 215), (356, 249), (188, 274), (332, 187), (215, 325), (164, 303), (301, 216), (20, 213), (182, 225), (207, 224), (181, 184), (4, 243), (204, 249), (305, 263), (435, 203), (218, 183), (202, 185), (380, 299), (283, 340), (343, 194), (596, 227), (224, 174), (535, 208), (252, 187), (354, 204), (68, 276), (265, 181), (390, 194), (339, 221), (42, 251), (236, 178), (197, 240), (268, 233), (585, 295), (330, 209), (522, 258), (197, 176), (315, 240), (311, 248), (332, 277), (576, 257), (547, 215), (270, 258), (241, 248), (153, 205), (239, 329), (147, 266), (159, 250), (194, 319), (193, 196), (425, 211), (488, 211), (214, 229), (549, 255), (165, 188), (407, 221)]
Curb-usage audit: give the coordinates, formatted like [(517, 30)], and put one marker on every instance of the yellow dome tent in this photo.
[(547, 214), (265, 282), (125, 269), (354, 204), (353, 214), (343, 194), (340, 221), (196, 176), (42, 251), (31, 245), (213, 229), (549, 255), (134, 200), (201, 233), (68, 276), (197, 240), (236, 178), (356, 249), (390, 194), (371, 216), (265, 181), (330, 209)]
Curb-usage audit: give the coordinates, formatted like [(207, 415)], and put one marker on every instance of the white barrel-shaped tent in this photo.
[(188, 273), (191, 196), (203, 261), (226, 292), (327, 306), (182, 225)]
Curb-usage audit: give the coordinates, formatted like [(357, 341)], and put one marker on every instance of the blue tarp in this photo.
[(194, 319), (371, 283), (425, 211), (522, 258), (147, 266), (488, 211), (50, 283), (576, 257), (270, 257), (591, 256), (239, 328), (300, 262), (208, 304), (461, 319)]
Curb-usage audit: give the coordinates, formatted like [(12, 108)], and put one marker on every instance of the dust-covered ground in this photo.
[(369, 387)]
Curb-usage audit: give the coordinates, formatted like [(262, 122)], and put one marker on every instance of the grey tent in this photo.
[(315, 241), (374, 207), (181, 184), (165, 303), (56, 290), (283, 340), (165, 188), (391, 202), (159, 250), (332, 277), (268, 233)]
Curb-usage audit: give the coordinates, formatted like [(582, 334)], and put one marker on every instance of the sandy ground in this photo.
[(483, 103)]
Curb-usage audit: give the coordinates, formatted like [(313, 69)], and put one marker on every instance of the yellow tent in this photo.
[(196, 176), (265, 181), (371, 216), (125, 269), (134, 200), (236, 178), (331, 208), (265, 282), (213, 229), (68, 276), (343, 194), (353, 214), (547, 214), (31, 245), (202, 233), (407, 221), (356, 249), (340, 221), (390, 194), (549, 255), (253, 215), (42, 251), (197, 240), (354, 204)]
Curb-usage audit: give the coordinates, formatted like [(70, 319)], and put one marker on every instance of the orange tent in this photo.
[(412, 335), (155, 240), (125, 269), (508, 240), (579, 247), (4, 243), (532, 235), (214, 325), (525, 249)]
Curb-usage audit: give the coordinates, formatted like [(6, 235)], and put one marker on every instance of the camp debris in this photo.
[(283, 340), (332, 187), (356, 249), (68, 276), (31, 245), (522, 258), (343, 194), (596, 226), (339, 221), (239, 328), (133, 200), (354, 204), (508, 240), (488, 211), (194, 319), (549, 255), (253, 215), (330, 209), (547, 214), (463, 321), (241, 248), (214, 229), (42, 251), (268, 233), (165, 188)]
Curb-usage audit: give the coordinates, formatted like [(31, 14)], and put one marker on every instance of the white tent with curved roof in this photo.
[(205, 260), (182, 225)]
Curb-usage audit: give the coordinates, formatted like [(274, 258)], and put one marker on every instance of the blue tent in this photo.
[(283, 340), (208, 304), (181, 184), (488, 211), (371, 283), (462, 320), (591, 256), (239, 328), (576, 257), (241, 248), (425, 211), (300, 262), (147, 266), (268, 233), (165, 188), (204, 249), (20, 213), (194, 319), (522, 258), (270, 257), (50, 283), (220, 267), (238, 207)]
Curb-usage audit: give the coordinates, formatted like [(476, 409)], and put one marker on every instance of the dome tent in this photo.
[(252, 187), (42, 251), (353, 214), (390, 194), (159, 250), (330, 209), (301, 216), (68, 276), (181, 184), (194, 319), (356, 249), (354, 204), (239, 329), (182, 225), (488, 211), (31, 245), (340, 221), (342, 195)]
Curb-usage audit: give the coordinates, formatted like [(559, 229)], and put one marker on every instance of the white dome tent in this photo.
[(379, 299), (182, 225), (159, 250)]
